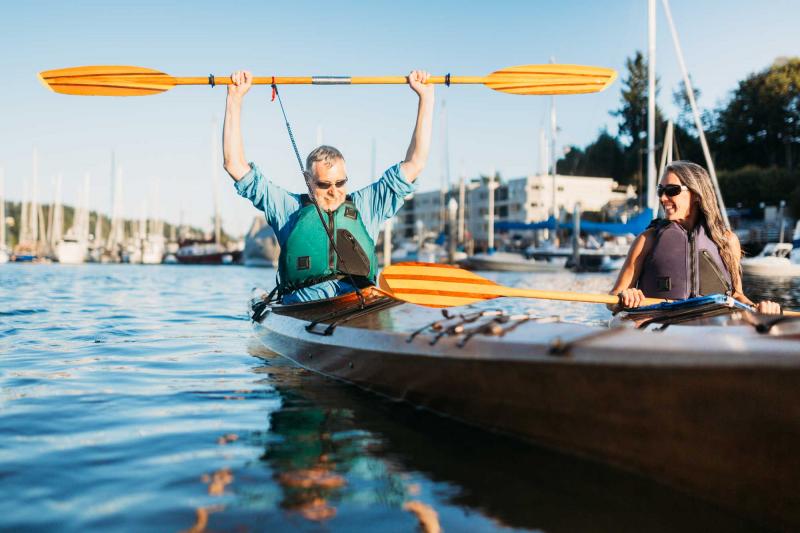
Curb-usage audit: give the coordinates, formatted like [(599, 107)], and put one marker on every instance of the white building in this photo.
[(527, 199)]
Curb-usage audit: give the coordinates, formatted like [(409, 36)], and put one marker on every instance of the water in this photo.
[(135, 397)]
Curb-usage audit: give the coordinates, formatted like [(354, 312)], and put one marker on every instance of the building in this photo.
[(527, 199)]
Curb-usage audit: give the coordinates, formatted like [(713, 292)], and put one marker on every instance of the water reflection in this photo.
[(784, 290), (330, 429)]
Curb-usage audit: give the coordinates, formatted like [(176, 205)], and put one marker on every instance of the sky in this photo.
[(164, 142)]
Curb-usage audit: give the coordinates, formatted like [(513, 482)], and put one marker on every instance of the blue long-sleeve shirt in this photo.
[(375, 203)]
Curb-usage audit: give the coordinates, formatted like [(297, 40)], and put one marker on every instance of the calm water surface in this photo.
[(135, 397)]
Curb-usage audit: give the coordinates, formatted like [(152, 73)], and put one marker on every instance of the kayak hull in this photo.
[(719, 422)]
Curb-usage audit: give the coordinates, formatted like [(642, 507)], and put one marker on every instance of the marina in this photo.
[(374, 274)]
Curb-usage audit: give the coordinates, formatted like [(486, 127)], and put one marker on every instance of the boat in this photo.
[(429, 252), (71, 250), (200, 252), (512, 262), (5, 254), (776, 259), (153, 249), (261, 247), (594, 256), (719, 419)]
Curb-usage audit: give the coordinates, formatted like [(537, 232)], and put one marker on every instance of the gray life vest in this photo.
[(683, 264)]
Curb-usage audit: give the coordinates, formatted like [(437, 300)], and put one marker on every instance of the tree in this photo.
[(572, 162), (633, 116), (604, 157), (760, 125)]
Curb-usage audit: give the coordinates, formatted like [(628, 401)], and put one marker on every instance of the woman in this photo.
[(688, 253)]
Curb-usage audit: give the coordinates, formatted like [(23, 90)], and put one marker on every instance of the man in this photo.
[(309, 267)]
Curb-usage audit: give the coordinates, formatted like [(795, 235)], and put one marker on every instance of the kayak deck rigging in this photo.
[(710, 409)]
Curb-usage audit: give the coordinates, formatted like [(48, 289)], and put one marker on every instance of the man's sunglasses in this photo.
[(325, 185), (670, 190)]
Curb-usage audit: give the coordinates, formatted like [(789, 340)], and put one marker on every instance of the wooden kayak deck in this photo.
[(711, 410)]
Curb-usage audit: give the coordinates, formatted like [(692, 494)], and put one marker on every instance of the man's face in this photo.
[(329, 184)]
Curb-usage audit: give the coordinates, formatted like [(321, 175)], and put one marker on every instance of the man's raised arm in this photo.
[(417, 154), (232, 147)]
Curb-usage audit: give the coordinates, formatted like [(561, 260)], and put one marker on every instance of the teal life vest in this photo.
[(307, 257)]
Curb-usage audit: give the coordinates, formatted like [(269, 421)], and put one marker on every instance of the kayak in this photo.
[(710, 408)]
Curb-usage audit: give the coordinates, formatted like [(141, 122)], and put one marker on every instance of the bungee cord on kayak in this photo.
[(303, 171)]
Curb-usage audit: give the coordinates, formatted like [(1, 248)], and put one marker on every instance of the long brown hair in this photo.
[(698, 181)]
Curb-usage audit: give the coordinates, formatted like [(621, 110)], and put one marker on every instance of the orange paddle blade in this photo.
[(551, 79), (107, 81), (435, 285)]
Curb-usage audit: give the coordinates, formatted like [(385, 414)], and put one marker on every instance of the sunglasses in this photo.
[(670, 190), (325, 185)]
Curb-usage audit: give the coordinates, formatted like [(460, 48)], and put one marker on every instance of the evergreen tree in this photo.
[(760, 125)]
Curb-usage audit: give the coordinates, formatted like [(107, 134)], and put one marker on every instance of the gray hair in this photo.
[(322, 154)]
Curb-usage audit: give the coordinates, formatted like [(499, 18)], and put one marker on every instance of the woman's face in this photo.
[(679, 207)]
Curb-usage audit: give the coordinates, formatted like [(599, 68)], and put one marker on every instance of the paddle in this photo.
[(140, 81), (436, 285)]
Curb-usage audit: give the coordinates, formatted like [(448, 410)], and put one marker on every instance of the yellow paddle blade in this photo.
[(435, 285), (107, 81), (551, 79)]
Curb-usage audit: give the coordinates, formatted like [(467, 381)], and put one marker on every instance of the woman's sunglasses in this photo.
[(325, 185), (670, 190)]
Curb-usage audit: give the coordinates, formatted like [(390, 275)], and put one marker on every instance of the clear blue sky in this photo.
[(168, 136)]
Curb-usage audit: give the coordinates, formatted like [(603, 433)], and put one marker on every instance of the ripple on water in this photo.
[(135, 398)]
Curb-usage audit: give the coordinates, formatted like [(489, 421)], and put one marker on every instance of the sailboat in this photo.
[(27, 249), (210, 251), (4, 254), (261, 247), (154, 243), (73, 248)]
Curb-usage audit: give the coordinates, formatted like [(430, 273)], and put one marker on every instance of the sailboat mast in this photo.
[(83, 230), (57, 222), (490, 228), (553, 158), (651, 107), (687, 82), (2, 210), (461, 207), (215, 180), (34, 209), (445, 185)]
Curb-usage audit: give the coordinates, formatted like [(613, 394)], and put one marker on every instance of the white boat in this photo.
[(153, 249), (5, 255), (71, 251), (776, 259), (512, 262)]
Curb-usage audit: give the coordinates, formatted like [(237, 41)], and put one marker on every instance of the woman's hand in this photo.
[(766, 307), (418, 81), (241, 80), (632, 297)]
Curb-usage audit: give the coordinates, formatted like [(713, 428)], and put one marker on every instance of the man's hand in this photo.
[(242, 81), (418, 81)]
